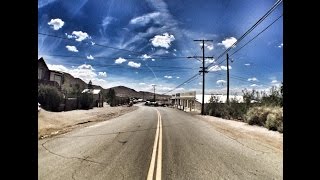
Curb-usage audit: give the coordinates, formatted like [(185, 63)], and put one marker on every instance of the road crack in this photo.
[(66, 157)]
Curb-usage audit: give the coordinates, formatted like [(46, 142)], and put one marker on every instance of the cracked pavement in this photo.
[(121, 148)]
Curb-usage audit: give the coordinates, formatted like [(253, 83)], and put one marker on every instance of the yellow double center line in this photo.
[(156, 146)]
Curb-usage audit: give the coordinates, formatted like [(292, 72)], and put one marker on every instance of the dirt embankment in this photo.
[(245, 133), (54, 123)]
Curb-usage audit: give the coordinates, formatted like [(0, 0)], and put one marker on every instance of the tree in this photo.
[(86, 100), (90, 85), (111, 97), (49, 97)]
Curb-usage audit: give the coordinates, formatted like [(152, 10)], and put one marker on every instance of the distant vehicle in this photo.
[(147, 103)]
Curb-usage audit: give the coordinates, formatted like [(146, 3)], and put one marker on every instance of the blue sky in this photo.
[(156, 36)]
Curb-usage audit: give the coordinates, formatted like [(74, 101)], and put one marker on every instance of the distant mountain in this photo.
[(70, 82), (122, 91)]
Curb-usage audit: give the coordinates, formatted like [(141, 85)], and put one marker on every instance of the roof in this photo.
[(60, 72), (93, 91), (41, 60)]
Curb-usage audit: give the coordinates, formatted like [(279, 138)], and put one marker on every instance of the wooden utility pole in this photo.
[(154, 92), (203, 70), (227, 78)]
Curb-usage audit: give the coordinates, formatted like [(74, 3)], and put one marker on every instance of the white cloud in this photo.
[(178, 77), (255, 85), (175, 50), (220, 82), (79, 35), (133, 64), (90, 57), (56, 23), (85, 66), (214, 68), (57, 68), (120, 60), (144, 19), (107, 20), (274, 81), (225, 67), (145, 56), (252, 79), (209, 60), (142, 83), (248, 64), (209, 46), (92, 43), (103, 74), (167, 52), (168, 77), (228, 42), (280, 46), (200, 83), (152, 59), (72, 48), (70, 36), (162, 40)]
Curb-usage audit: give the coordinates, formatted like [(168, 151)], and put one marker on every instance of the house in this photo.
[(190, 101), (49, 77), (185, 101), (97, 97)]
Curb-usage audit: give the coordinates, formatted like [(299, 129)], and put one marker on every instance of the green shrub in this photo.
[(86, 100), (49, 97)]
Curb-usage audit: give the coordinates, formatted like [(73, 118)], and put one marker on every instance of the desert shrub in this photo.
[(257, 115), (274, 98), (86, 100), (275, 119), (49, 97)]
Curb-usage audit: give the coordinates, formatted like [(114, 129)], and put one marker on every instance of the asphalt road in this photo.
[(153, 143)]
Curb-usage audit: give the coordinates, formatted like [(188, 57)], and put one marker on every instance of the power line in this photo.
[(110, 47), (112, 58), (243, 36), (253, 37), (250, 29), (185, 82)]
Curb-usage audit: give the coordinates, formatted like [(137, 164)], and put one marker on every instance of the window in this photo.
[(57, 78)]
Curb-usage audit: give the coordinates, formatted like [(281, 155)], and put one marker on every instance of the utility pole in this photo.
[(227, 78), (154, 92), (203, 70)]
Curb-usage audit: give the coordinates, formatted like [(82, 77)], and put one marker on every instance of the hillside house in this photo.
[(97, 97), (49, 77)]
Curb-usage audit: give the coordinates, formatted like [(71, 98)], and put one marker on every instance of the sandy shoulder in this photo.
[(247, 134), (53, 123)]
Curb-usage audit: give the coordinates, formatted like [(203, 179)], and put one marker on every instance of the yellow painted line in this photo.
[(159, 159), (153, 158)]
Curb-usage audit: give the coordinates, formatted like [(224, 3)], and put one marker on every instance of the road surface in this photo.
[(154, 143)]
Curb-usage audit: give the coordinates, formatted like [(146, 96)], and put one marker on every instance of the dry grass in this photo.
[(53, 123)]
